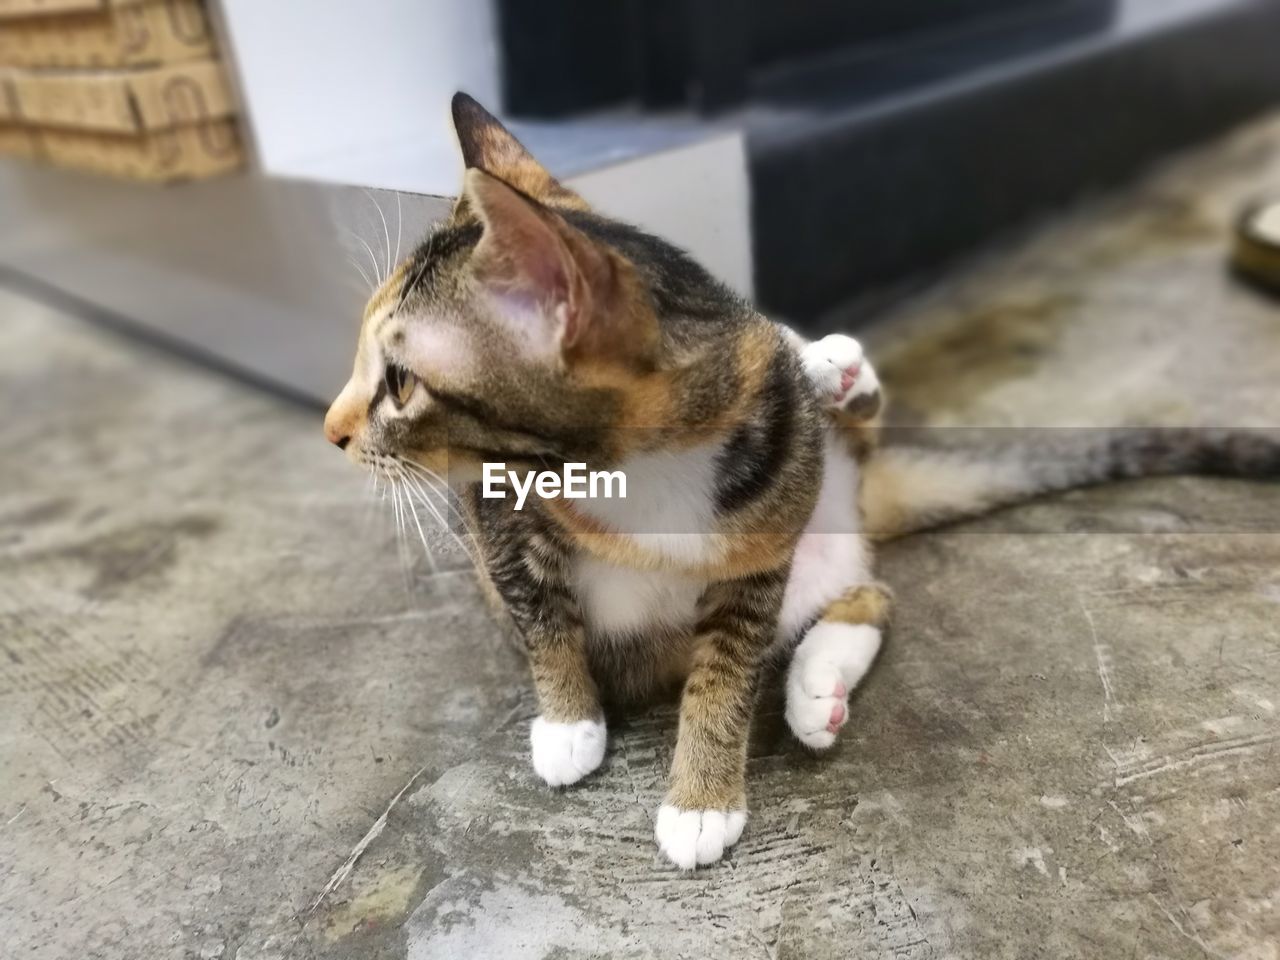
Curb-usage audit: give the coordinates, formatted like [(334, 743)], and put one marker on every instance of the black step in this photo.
[(878, 165)]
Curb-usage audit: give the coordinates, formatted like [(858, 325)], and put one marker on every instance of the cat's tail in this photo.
[(926, 478)]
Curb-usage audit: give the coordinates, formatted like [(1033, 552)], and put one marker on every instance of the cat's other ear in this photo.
[(489, 146), (564, 295)]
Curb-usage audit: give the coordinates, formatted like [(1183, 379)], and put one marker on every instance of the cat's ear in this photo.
[(489, 146), (564, 294)]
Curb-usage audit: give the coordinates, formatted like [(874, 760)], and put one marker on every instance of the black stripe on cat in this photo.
[(757, 451), (552, 443)]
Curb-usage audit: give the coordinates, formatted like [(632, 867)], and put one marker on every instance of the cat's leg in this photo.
[(568, 737), (830, 661), (831, 579), (705, 808)]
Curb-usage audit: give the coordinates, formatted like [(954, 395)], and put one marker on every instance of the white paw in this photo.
[(564, 753), (691, 837), (829, 662), (839, 370)]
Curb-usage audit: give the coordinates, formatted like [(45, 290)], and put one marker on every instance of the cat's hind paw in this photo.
[(829, 662), (691, 838), (564, 753), (841, 374)]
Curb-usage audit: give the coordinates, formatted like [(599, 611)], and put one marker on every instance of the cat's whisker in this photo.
[(399, 227), (427, 476), (373, 285), (413, 484), (413, 512), (386, 234), (402, 478), (402, 540), (406, 558), (441, 516), (440, 521), (370, 498), (385, 497), (372, 259), (395, 515), (415, 487), (363, 273), (437, 484), (395, 506), (429, 472)]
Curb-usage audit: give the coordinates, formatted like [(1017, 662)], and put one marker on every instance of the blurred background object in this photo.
[(132, 88), (818, 155), (568, 55), (1256, 253)]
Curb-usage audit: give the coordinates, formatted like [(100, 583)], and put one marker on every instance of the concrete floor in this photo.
[(236, 721)]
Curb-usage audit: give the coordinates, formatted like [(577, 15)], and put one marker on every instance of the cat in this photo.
[(529, 330)]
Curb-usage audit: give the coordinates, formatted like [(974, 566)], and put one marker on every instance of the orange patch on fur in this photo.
[(866, 604)]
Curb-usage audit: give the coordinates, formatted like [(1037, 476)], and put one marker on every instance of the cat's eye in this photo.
[(400, 384)]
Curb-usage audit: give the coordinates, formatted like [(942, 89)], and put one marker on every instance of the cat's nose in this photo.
[(343, 419), (335, 434)]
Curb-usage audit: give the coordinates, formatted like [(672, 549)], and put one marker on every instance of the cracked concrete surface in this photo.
[(239, 722)]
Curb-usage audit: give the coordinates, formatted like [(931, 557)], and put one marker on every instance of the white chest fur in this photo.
[(669, 510), (619, 601)]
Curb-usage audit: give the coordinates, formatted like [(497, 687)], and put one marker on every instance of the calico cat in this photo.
[(529, 330)]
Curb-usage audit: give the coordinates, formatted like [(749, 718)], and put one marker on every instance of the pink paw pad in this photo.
[(837, 718), (838, 712), (848, 377)]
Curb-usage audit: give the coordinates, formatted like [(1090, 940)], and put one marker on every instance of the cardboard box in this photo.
[(45, 8), (8, 98), (178, 153), (123, 101), (159, 123), (114, 33), (18, 141)]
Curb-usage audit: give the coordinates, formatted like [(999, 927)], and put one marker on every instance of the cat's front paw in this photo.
[(690, 838), (839, 370), (564, 753)]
